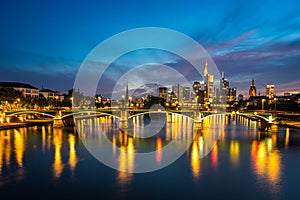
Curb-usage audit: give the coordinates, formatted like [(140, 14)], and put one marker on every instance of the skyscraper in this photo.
[(177, 89), (224, 89), (252, 90), (163, 92), (186, 94), (209, 91), (198, 92), (231, 94), (270, 91)]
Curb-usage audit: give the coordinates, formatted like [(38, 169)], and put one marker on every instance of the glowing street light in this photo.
[(262, 103), (275, 107)]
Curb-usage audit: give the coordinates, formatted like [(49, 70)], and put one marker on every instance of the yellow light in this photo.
[(195, 160), (126, 162), (19, 147), (214, 156), (287, 137), (158, 150), (234, 152), (72, 153), (57, 142)]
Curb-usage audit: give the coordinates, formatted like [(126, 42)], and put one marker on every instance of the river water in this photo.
[(42, 162)]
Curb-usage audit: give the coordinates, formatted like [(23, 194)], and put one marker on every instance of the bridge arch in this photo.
[(89, 112), (30, 112), (158, 112)]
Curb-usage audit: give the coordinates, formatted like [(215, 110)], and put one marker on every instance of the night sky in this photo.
[(44, 42)]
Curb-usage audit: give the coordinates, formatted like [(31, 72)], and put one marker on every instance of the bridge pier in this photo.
[(197, 123), (274, 127), (2, 117), (267, 126), (57, 120), (124, 123)]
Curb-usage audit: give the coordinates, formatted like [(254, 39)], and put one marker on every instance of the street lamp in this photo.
[(262, 103), (275, 107), (56, 101)]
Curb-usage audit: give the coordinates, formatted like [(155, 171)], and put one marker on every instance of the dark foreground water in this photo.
[(45, 163)]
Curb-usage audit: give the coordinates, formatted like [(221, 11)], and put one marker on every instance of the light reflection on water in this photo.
[(57, 142), (240, 148)]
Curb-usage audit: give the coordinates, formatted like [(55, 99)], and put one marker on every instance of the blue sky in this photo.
[(44, 42)]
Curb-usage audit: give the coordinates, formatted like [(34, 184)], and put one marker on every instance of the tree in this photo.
[(10, 95), (10, 98)]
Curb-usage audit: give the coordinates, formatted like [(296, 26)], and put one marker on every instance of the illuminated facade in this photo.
[(163, 92), (27, 90), (270, 91), (198, 92), (183, 93), (49, 94), (224, 89), (209, 91)]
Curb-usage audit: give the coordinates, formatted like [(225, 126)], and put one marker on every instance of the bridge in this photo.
[(127, 117)]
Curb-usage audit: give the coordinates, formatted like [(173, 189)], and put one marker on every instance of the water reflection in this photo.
[(158, 150), (19, 147), (195, 160), (126, 159), (72, 152), (205, 143), (266, 163), (15, 143), (234, 152), (57, 142), (12, 148), (214, 156), (287, 137)]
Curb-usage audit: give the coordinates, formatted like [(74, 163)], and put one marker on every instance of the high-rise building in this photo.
[(163, 92), (186, 94), (198, 92), (252, 90), (224, 89), (172, 98), (177, 89), (209, 90), (182, 93), (270, 91), (231, 94)]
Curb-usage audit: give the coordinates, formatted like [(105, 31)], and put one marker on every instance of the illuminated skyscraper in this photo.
[(186, 94), (163, 92), (252, 90), (224, 89), (209, 91), (231, 94), (198, 92), (270, 91)]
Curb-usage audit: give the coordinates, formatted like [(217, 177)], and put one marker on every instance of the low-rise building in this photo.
[(50, 94), (27, 90)]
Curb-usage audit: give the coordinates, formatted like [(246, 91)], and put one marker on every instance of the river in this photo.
[(42, 162)]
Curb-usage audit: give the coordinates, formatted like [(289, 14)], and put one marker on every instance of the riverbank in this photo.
[(291, 124), (4, 126)]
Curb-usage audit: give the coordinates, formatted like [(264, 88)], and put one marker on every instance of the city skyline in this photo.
[(44, 43)]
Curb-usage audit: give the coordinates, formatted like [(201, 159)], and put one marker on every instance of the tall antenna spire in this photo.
[(206, 68), (126, 95)]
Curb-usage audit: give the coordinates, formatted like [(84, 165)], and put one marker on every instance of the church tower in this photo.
[(252, 90)]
